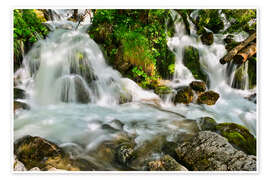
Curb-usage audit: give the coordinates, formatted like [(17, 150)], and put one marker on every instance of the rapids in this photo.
[(53, 70)]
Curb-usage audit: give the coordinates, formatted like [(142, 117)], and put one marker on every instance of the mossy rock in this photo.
[(162, 90), (207, 38), (192, 62), (184, 95), (229, 39), (238, 136), (198, 86), (207, 124), (41, 153), (252, 72), (208, 97)]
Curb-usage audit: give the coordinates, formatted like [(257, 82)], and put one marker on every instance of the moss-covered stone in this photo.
[(184, 95), (20, 105), (208, 97), (252, 72), (162, 90), (207, 124), (238, 136), (18, 93), (192, 62), (198, 86)]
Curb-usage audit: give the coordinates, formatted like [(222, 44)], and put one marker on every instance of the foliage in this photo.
[(27, 29), (241, 20), (137, 37)]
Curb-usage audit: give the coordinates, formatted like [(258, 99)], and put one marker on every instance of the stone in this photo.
[(252, 98), (41, 153), (124, 153), (165, 163), (238, 136), (198, 86), (191, 60), (207, 124), (18, 165), (35, 169), (163, 90), (207, 38), (20, 105), (209, 151), (18, 93), (208, 97), (184, 95)]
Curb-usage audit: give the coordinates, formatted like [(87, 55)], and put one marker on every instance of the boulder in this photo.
[(163, 90), (208, 97), (207, 124), (165, 163), (191, 60), (184, 95), (38, 152), (18, 165), (238, 136), (18, 93), (252, 98), (198, 86), (207, 38), (124, 153), (208, 151), (20, 105), (229, 39)]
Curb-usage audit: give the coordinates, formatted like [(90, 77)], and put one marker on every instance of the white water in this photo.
[(52, 74)]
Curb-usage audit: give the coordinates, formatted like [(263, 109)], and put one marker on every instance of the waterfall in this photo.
[(75, 97)]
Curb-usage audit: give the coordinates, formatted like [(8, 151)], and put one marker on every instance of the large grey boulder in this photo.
[(208, 151)]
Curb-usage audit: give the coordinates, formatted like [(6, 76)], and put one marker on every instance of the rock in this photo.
[(191, 60), (198, 86), (208, 97), (20, 105), (165, 163), (35, 169), (18, 165), (252, 98), (238, 136), (208, 151), (207, 38), (114, 125), (207, 124), (184, 95), (124, 153), (82, 93), (229, 39), (162, 90), (125, 98), (18, 93), (38, 152)]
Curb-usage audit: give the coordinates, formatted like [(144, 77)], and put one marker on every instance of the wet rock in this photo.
[(124, 153), (82, 93), (125, 98), (20, 105), (207, 38), (184, 95), (252, 98), (35, 169), (18, 165), (191, 60), (18, 93), (198, 86), (38, 152), (238, 136), (208, 97), (114, 125), (229, 39), (208, 151), (207, 124), (162, 90), (165, 163)]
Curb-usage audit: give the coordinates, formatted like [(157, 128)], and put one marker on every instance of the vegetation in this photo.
[(28, 28)]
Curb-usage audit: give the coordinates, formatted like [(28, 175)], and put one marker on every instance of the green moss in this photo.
[(238, 136), (192, 62), (252, 72), (161, 90)]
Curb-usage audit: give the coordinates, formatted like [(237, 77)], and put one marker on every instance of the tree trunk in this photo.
[(245, 53), (229, 56)]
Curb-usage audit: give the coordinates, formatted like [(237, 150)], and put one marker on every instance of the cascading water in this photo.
[(75, 97)]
